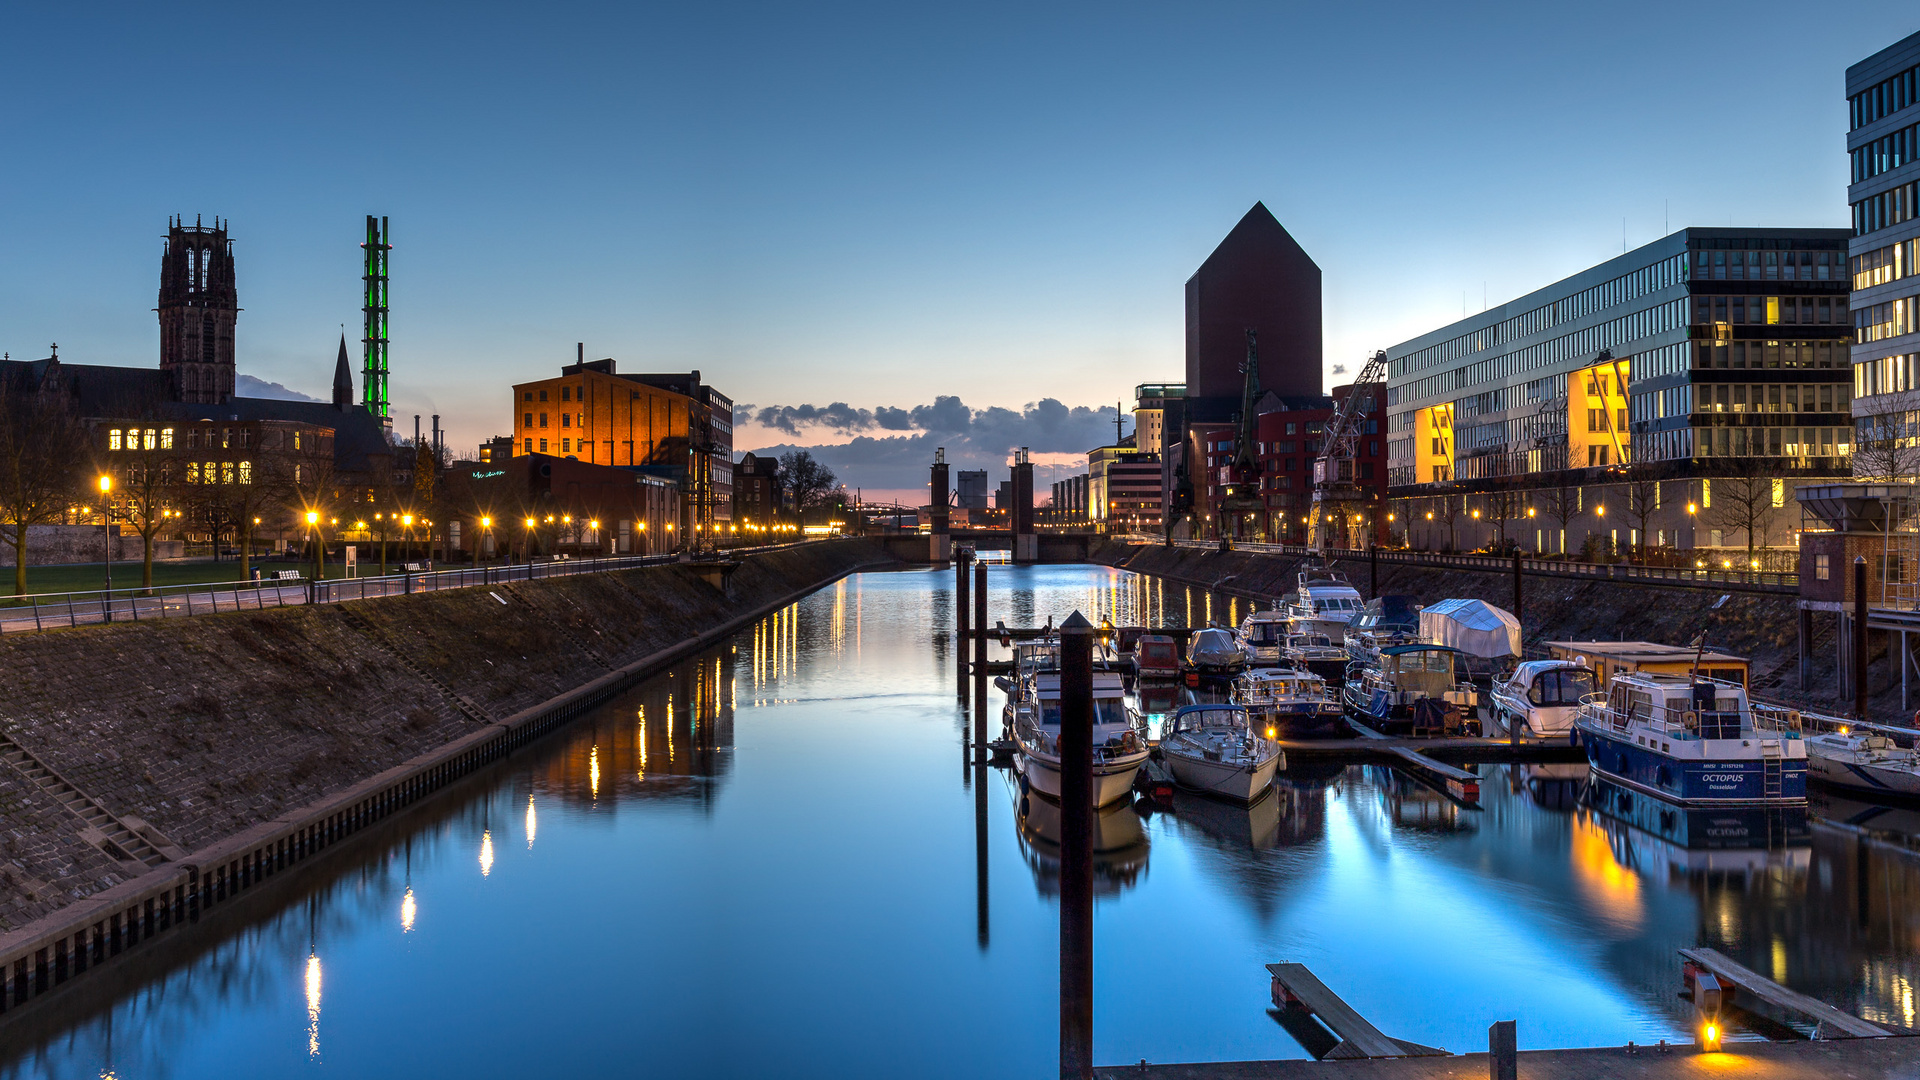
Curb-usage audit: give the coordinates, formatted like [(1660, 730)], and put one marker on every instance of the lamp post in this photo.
[(526, 544), (486, 539), (313, 538), (106, 526), (406, 536)]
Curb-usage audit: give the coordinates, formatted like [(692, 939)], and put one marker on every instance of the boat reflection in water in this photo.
[(1554, 785), (1649, 833), (1119, 841)]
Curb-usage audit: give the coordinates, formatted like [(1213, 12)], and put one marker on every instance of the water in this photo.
[(767, 864)]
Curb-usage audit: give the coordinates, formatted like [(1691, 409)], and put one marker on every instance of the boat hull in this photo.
[(1112, 777), (1740, 782), (1301, 724), (1863, 776), (1226, 780)]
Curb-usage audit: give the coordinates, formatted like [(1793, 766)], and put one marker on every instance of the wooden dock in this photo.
[(1296, 987), (1851, 1059), (1750, 985), (1457, 783), (1457, 748)]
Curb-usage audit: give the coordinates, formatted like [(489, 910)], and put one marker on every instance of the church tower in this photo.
[(198, 307)]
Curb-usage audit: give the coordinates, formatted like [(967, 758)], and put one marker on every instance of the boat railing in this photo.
[(1674, 720)]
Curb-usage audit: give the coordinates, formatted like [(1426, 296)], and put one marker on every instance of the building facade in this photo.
[(1710, 354), (1290, 440), (1123, 489), (1883, 109), (970, 489), (1151, 402), (756, 491)]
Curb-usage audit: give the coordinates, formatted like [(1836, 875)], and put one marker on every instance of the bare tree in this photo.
[(1503, 504), (1743, 502), (806, 481), (1643, 498), (42, 453), (1885, 447), (304, 476), (1450, 511), (147, 467), (1561, 500)]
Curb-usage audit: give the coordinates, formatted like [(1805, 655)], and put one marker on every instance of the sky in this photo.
[(981, 215)]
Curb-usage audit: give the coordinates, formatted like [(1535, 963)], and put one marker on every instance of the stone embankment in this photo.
[(128, 750), (1760, 626)]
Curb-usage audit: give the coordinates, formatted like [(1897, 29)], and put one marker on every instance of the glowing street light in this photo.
[(106, 526)]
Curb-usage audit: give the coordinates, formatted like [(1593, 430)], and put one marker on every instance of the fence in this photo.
[(49, 611), (1734, 580)]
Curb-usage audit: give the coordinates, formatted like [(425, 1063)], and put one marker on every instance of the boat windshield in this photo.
[(1266, 633), (1565, 686), (1106, 712), (1310, 641), (1211, 718), (1434, 660)]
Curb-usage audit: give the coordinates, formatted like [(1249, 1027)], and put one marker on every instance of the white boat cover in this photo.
[(1475, 627)]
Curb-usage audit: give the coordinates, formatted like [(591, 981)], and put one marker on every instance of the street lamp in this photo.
[(486, 535), (527, 545), (313, 524), (106, 527)]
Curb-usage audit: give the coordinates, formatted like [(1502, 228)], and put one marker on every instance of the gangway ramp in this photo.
[(1830, 1022), (1294, 985)]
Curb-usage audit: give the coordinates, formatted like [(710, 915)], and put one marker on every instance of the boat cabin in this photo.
[(1109, 701), (1677, 707), (1610, 658), (1209, 716)]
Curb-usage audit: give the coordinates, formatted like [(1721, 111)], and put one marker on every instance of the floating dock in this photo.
[(1294, 987), (1750, 985), (1852, 1059)]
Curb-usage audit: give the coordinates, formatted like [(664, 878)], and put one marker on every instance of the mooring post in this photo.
[(1859, 637), (1503, 1051), (961, 557), (980, 819), (1076, 848), (1516, 593), (980, 625)]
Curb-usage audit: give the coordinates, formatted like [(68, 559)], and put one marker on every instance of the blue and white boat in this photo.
[(1691, 742)]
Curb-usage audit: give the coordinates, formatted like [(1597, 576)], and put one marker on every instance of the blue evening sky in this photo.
[(876, 205)]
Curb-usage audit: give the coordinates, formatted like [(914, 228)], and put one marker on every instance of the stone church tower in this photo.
[(198, 307)]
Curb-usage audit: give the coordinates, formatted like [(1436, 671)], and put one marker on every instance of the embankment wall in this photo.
[(194, 731), (1760, 626)]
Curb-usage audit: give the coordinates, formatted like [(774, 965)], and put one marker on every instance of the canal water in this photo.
[(776, 860)]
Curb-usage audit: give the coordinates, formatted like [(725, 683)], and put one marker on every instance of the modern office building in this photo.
[(1123, 487), (1710, 354), (1883, 99)]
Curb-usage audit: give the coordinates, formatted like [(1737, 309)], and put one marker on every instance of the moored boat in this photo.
[(1288, 703), (1318, 654), (1263, 635), (1119, 746), (1412, 689), (1691, 742), (1324, 603), (1213, 748), (1214, 654), (1156, 656), (1863, 762), (1538, 698)]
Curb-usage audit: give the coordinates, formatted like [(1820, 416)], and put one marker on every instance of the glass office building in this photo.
[(1883, 109), (1708, 352)]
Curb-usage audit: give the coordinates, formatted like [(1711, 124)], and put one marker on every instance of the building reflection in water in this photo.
[(678, 738)]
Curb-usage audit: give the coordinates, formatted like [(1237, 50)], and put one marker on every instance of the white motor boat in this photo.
[(1211, 748), (1324, 604), (1263, 635), (1119, 744), (1869, 763), (1540, 697), (1316, 653), (1288, 703)]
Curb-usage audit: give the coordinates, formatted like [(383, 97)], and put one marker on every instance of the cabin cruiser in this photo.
[(1864, 762), (1263, 636), (1324, 603), (1413, 689), (1214, 654), (1288, 703), (1387, 620), (1212, 748), (1119, 746), (1030, 658), (1539, 697), (1156, 656), (1316, 653), (1691, 742)]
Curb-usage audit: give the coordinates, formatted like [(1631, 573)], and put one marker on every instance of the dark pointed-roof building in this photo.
[(1258, 279)]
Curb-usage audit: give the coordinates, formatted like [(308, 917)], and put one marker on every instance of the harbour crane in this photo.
[(1337, 495)]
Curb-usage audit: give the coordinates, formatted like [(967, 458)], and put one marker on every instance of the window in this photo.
[(543, 446), (1821, 568), (566, 446), (296, 440), (565, 393), (566, 419), (166, 438), (193, 438), (543, 395), (529, 420), (528, 396), (246, 472), (1779, 485), (543, 419), (193, 472), (113, 439), (226, 471), (529, 448)]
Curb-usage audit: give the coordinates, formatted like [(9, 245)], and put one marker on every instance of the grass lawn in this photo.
[(71, 577)]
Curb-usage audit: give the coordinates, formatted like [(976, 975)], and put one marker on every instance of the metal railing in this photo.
[(1738, 580), (50, 611)]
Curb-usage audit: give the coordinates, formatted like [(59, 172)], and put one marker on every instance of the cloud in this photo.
[(891, 447), (248, 386)]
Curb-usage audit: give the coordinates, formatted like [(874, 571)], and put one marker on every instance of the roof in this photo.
[(1418, 646), (1642, 652)]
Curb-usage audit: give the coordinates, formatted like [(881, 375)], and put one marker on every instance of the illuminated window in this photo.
[(529, 446), (543, 446), (113, 439), (226, 472), (193, 472), (166, 438), (246, 472)]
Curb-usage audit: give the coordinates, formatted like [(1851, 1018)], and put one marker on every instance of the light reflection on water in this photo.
[(760, 865)]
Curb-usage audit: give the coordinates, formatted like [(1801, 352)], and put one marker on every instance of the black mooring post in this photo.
[(1516, 591), (980, 820), (961, 557), (1859, 638), (980, 629), (1503, 1051), (1076, 848)]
